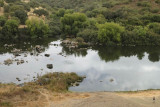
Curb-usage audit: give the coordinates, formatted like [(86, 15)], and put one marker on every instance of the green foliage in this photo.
[(73, 23), (6, 8), (2, 21), (14, 8), (140, 31), (11, 1), (10, 29), (41, 12), (89, 35), (155, 27), (54, 26), (144, 4), (34, 4), (59, 81), (22, 15), (37, 28), (1, 3), (61, 12), (110, 32)]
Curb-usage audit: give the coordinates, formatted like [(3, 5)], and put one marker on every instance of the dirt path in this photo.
[(108, 99), (95, 99)]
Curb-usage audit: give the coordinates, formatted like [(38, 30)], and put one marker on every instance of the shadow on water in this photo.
[(114, 53), (26, 45)]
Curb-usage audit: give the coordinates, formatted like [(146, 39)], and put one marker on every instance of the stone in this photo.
[(47, 55), (49, 66), (8, 62), (18, 79), (111, 80)]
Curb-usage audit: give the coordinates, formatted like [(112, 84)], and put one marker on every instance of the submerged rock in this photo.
[(8, 61), (31, 53), (16, 54), (20, 62), (18, 79), (38, 48), (25, 55), (16, 50), (111, 80), (47, 55), (49, 66)]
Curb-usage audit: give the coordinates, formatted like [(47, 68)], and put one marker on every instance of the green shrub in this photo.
[(37, 28), (21, 15), (41, 12), (10, 29), (110, 32), (89, 35), (72, 23), (2, 21), (143, 4), (155, 27)]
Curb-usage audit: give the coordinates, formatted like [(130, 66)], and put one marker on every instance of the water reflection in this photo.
[(106, 68)]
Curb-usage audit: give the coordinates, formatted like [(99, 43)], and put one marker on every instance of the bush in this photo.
[(89, 35), (37, 28), (22, 15), (54, 26), (41, 12), (2, 21), (155, 27), (11, 1), (110, 32), (10, 29), (73, 23), (144, 4)]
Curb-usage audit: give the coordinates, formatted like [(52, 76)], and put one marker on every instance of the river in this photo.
[(106, 68)]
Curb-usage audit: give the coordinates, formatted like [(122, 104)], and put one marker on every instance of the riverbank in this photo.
[(12, 95), (51, 90), (46, 98)]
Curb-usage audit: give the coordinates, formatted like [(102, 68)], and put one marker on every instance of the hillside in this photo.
[(137, 21)]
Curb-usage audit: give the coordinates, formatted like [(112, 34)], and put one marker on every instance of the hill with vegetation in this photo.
[(111, 22)]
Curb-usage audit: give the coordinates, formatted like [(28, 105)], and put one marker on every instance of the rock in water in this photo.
[(49, 66), (47, 55)]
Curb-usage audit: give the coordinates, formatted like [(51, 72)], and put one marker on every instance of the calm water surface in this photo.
[(106, 68)]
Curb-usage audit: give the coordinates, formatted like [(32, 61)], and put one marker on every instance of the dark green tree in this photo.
[(10, 29), (22, 15)]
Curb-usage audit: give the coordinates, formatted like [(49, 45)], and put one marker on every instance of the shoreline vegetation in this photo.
[(112, 22), (81, 25)]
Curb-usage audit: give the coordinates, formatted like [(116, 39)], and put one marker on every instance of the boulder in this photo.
[(49, 66)]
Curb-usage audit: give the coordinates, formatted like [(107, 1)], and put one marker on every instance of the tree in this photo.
[(41, 12), (10, 29), (72, 23), (22, 15), (109, 32), (37, 28)]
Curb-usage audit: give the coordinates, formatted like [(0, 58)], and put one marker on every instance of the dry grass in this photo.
[(39, 92)]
